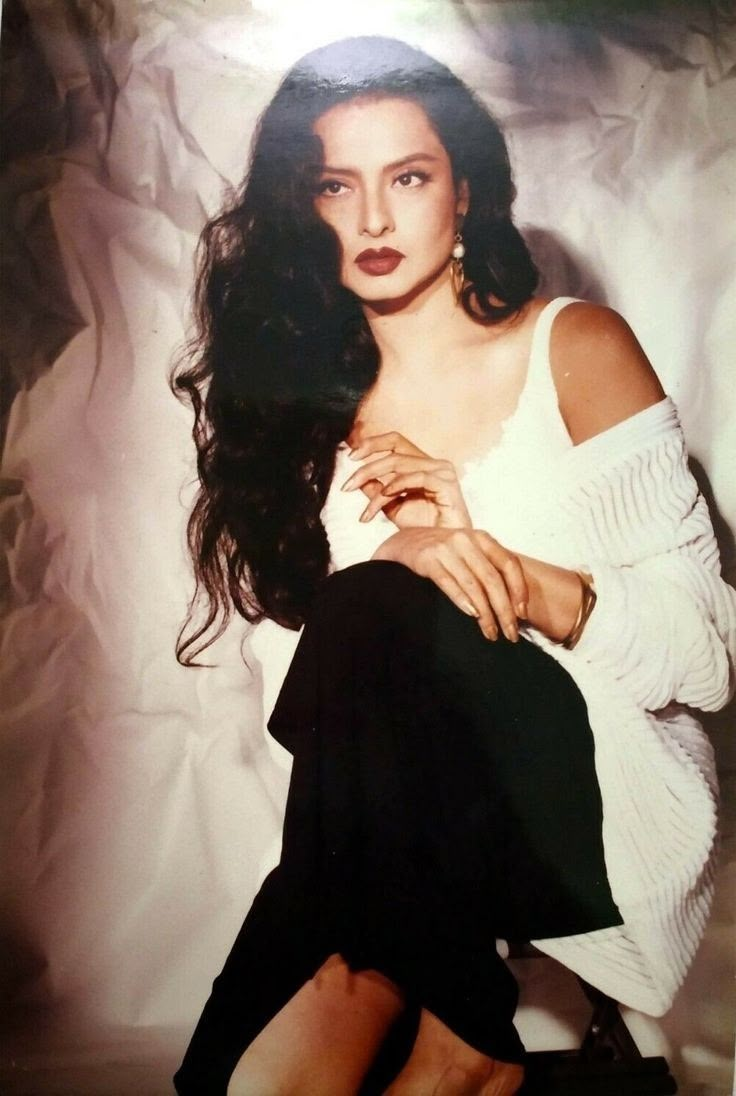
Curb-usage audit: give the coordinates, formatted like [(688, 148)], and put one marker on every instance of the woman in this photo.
[(488, 713)]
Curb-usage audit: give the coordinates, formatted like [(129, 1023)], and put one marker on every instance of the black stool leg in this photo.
[(608, 1062)]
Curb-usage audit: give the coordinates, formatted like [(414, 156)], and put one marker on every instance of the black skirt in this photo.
[(443, 795)]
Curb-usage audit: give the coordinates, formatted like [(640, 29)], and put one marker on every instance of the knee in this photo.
[(254, 1076), (381, 586)]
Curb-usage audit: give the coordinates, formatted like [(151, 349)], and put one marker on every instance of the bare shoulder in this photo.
[(601, 373)]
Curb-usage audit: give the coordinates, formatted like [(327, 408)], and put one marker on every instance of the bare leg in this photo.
[(442, 1064), (324, 1039)]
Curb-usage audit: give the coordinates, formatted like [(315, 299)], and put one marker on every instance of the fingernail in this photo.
[(511, 633), (345, 486), (522, 610), (354, 454), (365, 516), (492, 635), (470, 609)]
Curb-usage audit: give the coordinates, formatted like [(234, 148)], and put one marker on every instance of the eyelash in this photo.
[(322, 190), (421, 175)]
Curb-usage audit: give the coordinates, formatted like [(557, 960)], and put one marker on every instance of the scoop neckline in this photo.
[(470, 466)]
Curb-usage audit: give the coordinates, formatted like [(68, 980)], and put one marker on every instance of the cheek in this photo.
[(335, 225), (439, 224), (450, 210)]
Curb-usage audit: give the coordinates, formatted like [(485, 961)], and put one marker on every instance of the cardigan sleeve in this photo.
[(665, 622)]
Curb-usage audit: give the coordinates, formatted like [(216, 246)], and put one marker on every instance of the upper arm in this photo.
[(601, 373)]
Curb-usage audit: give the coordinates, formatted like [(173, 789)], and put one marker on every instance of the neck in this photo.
[(417, 333)]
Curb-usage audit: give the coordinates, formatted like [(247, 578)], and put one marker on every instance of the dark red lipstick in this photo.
[(377, 262)]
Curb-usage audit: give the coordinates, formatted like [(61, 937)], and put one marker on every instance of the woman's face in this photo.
[(387, 191)]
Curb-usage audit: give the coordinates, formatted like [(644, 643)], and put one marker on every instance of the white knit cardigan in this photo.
[(661, 641)]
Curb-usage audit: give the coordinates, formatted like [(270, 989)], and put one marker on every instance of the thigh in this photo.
[(467, 759)]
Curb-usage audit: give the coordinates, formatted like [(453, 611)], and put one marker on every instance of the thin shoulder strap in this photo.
[(539, 364)]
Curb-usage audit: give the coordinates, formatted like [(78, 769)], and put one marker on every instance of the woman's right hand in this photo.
[(480, 576)]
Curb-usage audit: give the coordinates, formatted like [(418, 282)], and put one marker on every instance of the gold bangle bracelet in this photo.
[(587, 605)]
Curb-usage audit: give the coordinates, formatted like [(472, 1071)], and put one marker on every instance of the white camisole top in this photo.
[(508, 489)]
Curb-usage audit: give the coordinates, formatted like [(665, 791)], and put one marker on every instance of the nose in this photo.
[(375, 213)]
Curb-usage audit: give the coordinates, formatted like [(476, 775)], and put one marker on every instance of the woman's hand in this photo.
[(477, 573), (412, 488)]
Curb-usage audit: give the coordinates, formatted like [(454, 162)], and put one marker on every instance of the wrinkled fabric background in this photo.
[(139, 799)]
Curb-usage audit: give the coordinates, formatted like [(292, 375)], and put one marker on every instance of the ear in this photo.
[(463, 198)]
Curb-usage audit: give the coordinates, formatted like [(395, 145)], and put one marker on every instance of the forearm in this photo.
[(554, 597), (387, 549)]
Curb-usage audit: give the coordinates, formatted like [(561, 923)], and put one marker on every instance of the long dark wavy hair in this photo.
[(283, 355)]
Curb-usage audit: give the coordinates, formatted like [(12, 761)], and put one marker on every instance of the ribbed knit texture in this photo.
[(661, 640), (662, 637)]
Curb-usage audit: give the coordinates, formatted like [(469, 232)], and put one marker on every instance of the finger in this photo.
[(419, 484), (474, 589), (377, 503), (394, 463), (430, 480), (380, 454), (484, 584), (372, 469), (509, 564), (391, 507), (494, 586), (451, 587), (371, 488), (406, 481), (516, 584), (392, 441)]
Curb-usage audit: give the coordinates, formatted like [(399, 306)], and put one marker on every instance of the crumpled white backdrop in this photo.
[(139, 799)]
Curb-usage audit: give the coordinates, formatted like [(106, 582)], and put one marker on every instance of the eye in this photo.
[(411, 179), (330, 188)]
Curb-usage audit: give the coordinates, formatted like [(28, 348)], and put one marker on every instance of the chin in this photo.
[(394, 292)]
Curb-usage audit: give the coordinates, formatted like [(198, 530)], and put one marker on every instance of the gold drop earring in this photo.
[(457, 275)]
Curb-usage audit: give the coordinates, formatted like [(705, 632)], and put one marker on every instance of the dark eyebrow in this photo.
[(424, 157)]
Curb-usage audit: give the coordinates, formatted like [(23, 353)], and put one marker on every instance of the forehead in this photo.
[(371, 132)]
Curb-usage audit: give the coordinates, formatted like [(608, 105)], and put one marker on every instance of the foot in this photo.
[(503, 1079), (442, 1064)]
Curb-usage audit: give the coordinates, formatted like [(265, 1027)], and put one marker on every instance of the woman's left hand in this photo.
[(412, 488)]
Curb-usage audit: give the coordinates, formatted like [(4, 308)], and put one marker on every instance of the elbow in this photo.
[(709, 683), (698, 673), (720, 695)]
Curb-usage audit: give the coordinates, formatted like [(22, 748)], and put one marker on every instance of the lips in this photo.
[(378, 262)]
